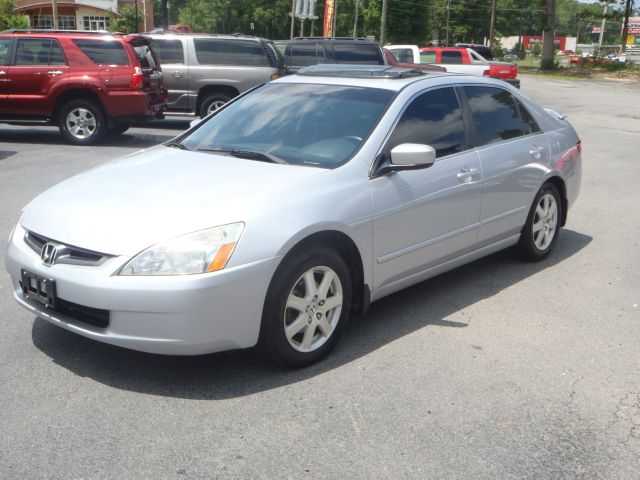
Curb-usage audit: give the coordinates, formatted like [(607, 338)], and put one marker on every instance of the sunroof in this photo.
[(359, 71)]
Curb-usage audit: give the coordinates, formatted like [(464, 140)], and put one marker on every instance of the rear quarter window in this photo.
[(363, 54), (228, 52), (103, 52)]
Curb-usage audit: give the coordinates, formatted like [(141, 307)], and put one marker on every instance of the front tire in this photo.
[(307, 307), (82, 122), (542, 227)]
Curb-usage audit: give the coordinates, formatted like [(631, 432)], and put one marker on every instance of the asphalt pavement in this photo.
[(497, 370)]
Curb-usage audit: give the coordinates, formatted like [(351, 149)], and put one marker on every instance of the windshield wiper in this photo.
[(260, 156), (179, 145)]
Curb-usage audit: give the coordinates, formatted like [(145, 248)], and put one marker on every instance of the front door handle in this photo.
[(177, 74), (53, 73), (466, 173), (2, 73)]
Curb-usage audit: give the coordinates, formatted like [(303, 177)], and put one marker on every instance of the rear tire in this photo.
[(82, 122), (212, 103), (307, 307), (541, 230)]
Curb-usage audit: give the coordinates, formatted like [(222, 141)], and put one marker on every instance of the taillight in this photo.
[(137, 80), (579, 146)]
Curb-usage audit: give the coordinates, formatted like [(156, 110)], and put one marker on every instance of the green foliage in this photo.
[(537, 50), (8, 19), (126, 22)]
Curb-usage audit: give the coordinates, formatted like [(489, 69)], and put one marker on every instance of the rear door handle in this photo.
[(177, 74), (53, 73), (466, 173), (2, 73)]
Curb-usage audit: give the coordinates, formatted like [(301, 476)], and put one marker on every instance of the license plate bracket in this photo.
[(38, 288)]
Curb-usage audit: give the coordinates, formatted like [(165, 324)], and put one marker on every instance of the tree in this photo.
[(548, 48), (125, 22), (8, 19)]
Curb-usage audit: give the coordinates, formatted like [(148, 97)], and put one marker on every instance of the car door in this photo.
[(38, 66), (172, 54), (513, 152), (422, 218), (5, 56)]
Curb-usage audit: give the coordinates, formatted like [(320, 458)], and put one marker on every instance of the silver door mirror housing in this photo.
[(412, 155), (195, 122)]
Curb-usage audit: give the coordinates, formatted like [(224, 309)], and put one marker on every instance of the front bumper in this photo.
[(178, 315)]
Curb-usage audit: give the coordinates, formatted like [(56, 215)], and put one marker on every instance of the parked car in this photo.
[(393, 61), (90, 84), (203, 71), (292, 206), (483, 50), (412, 54), (306, 51)]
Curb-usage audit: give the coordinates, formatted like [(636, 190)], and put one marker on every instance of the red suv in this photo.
[(90, 84)]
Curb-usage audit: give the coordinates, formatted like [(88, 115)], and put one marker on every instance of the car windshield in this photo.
[(304, 124)]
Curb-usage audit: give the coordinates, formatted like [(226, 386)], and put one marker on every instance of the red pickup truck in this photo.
[(466, 56)]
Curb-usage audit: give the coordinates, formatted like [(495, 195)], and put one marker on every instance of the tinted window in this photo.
[(168, 51), (304, 53), (427, 57), (495, 114), (145, 57), (103, 52), (229, 52), (57, 56), (33, 51), (5, 43), (365, 54), (451, 57), (530, 125), (318, 125), (434, 118), (403, 55)]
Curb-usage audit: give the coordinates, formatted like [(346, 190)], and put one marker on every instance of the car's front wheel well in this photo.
[(562, 189), (344, 246)]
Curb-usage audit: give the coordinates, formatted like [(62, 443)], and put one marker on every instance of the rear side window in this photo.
[(229, 52), (39, 51), (103, 52), (427, 57), (495, 114), (145, 57), (363, 54), (304, 53), (433, 118), (451, 57), (403, 55), (168, 51)]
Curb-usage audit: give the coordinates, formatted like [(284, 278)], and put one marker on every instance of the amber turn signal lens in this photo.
[(220, 260)]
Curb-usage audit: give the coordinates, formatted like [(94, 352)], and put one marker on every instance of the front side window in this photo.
[(354, 53), (103, 52), (304, 124), (451, 57), (495, 114), (211, 51), (5, 44), (434, 118)]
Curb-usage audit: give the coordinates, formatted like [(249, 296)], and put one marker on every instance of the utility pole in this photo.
[(604, 21), (493, 23), (54, 11), (137, 21), (165, 14), (355, 22), (335, 18), (448, 8), (625, 26), (293, 16), (383, 23)]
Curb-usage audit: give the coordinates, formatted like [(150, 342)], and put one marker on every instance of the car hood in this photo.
[(125, 206)]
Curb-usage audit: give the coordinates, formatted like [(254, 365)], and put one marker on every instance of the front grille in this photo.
[(68, 253)]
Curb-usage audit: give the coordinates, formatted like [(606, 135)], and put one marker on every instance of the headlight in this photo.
[(198, 252)]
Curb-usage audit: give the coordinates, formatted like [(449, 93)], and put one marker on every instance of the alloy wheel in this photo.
[(545, 221), (81, 123)]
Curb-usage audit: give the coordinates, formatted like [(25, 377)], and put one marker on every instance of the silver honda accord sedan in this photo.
[(292, 207)]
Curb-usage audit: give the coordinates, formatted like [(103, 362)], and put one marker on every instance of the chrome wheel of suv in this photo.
[(81, 123)]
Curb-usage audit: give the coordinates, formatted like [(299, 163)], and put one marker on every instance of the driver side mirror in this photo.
[(412, 156)]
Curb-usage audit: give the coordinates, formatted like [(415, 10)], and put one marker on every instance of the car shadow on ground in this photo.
[(51, 136), (435, 303)]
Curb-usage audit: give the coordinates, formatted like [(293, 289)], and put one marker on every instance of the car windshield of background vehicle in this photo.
[(303, 124)]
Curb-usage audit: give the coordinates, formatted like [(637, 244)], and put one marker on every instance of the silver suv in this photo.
[(202, 72)]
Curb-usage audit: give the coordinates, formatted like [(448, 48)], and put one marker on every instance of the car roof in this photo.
[(372, 76), (223, 36)]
